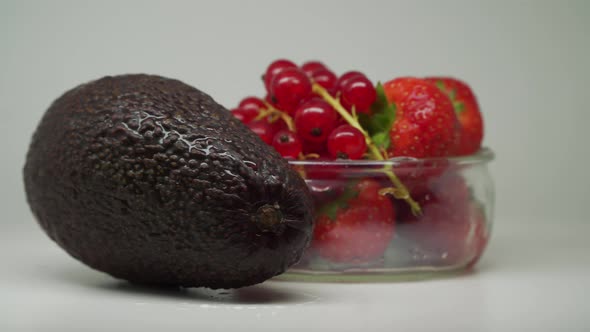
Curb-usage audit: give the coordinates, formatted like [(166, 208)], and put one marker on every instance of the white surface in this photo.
[(526, 281)]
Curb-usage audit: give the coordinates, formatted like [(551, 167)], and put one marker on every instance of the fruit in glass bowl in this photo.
[(360, 233), (397, 173)]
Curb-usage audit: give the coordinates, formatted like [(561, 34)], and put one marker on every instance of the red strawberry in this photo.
[(467, 111), (425, 124), (445, 224), (360, 231), (417, 175)]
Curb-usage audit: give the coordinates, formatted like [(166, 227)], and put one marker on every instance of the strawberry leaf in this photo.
[(379, 123), (382, 140), (452, 94), (459, 107), (381, 101), (383, 112), (331, 209), (365, 121)]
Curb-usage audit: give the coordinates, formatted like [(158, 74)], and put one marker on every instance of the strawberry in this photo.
[(425, 124), (417, 175), (445, 224), (357, 230), (467, 111)]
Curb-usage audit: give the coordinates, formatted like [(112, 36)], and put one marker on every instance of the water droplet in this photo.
[(229, 173), (251, 164)]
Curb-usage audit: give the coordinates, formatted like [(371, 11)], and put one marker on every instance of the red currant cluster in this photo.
[(299, 123), (309, 112)]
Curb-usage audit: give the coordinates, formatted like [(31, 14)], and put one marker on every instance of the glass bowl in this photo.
[(361, 234)]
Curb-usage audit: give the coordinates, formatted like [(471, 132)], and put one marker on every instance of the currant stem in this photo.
[(400, 191), (319, 90), (270, 110), (309, 156)]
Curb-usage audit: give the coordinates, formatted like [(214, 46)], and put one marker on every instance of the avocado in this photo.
[(150, 180)]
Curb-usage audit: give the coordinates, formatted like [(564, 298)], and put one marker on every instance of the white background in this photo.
[(528, 62)]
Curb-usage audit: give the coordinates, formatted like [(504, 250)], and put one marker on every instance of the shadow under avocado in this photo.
[(256, 294), (265, 293)]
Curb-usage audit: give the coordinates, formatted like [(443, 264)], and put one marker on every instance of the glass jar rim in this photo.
[(484, 155)]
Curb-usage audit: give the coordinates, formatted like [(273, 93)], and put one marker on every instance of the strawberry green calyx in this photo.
[(330, 210), (458, 105), (379, 122)]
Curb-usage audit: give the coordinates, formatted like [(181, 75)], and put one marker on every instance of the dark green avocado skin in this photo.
[(150, 180)]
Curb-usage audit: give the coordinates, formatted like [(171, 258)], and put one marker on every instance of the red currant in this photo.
[(315, 148), (274, 68), (359, 92), (309, 99), (315, 120), (289, 88), (347, 142), (269, 100), (263, 130), (325, 78), (311, 66), (321, 169), (345, 77), (276, 126), (244, 114), (254, 103), (287, 144)]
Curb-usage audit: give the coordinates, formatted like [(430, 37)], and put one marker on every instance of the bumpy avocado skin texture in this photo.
[(150, 180)]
